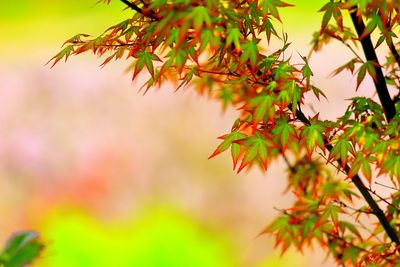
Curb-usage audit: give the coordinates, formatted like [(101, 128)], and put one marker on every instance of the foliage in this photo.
[(219, 47), (21, 249)]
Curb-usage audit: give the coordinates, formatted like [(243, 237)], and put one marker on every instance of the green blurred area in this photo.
[(29, 25), (44, 20), (159, 236), (44, 24)]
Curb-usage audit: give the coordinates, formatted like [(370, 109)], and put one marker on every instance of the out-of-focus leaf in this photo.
[(21, 249)]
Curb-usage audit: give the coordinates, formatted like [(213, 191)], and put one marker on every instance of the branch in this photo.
[(390, 112), (341, 203), (363, 190), (375, 208), (150, 15), (379, 80), (133, 6)]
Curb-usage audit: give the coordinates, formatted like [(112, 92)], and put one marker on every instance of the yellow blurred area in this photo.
[(113, 178)]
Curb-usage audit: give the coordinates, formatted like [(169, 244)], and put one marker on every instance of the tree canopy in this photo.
[(220, 47)]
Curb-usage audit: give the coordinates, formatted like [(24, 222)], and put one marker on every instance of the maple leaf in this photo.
[(145, 59), (329, 8), (250, 52), (229, 140), (21, 249), (313, 136), (366, 67), (341, 150), (361, 162), (257, 147), (234, 37), (374, 21), (200, 16), (262, 106), (286, 133), (271, 7), (66, 52)]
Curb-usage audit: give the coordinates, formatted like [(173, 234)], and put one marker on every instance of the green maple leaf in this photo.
[(257, 148), (282, 70), (313, 136), (145, 59), (363, 163), (200, 16), (250, 52), (234, 36), (286, 133), (262, 106), (229, 140), (340, 151), (271, 7), (366, 67)]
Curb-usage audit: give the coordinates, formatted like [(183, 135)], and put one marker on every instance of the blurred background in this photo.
[(113, 178)]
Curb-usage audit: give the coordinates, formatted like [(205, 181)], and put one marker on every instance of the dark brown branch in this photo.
[(370, 55), (375, 208), (133, 6), (390, 112), (150, 15)]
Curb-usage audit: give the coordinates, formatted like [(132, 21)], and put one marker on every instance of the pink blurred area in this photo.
[(82, 137), (78, 136)]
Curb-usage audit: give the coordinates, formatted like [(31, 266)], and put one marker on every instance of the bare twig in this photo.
[(383, 199), (386, 186)]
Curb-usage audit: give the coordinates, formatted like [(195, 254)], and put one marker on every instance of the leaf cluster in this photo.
[(221, 48)]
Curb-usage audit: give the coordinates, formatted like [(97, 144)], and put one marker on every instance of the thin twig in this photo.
[(369, 231), (383, 199), (354, 52), (386, 186), (331, 163), (353, 209)]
